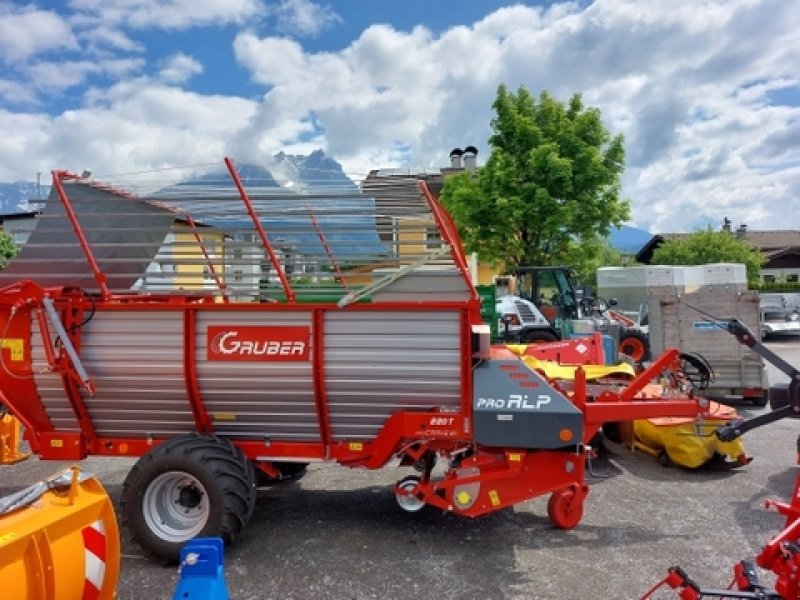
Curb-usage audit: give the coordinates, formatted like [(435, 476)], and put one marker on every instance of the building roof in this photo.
[(27, 214), (769, 242)]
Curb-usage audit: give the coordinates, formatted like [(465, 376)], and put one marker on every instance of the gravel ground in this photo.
[(337, 533)]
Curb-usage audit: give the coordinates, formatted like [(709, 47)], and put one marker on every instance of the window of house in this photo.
[(433, 238), (769, 278), (792, 278)]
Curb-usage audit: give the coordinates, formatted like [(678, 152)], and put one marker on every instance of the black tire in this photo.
[(634, 343), (193, 485), (537, 336)]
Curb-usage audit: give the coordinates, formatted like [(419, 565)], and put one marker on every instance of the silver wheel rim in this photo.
[(175, 506), (409, 503)]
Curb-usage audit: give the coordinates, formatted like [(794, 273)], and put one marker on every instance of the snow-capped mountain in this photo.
[(291, 172)]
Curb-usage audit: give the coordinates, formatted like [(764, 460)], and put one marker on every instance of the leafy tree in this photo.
[(549, 188), (8, 249), (710, 246), (590, 255)]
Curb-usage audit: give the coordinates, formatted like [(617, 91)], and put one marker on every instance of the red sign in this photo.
[(262, 344)]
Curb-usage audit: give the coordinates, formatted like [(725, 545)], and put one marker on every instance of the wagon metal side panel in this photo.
[(136, 361), (269, 400), (50, 385), (378, 363)]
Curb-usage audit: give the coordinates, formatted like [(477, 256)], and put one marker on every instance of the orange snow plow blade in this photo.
[(10, 439), (59, 540)]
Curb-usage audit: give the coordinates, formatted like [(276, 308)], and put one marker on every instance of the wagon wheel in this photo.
[(189, 486), (565, 509), (407, 502), (634, 343)]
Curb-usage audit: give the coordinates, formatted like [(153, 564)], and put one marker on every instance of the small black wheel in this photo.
[(635, 344), (664, 460), (193, 485), (541, 336)]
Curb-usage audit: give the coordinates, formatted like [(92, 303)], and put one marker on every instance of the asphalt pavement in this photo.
[(337, 533)]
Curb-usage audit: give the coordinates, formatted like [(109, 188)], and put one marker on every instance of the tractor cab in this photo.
[(552, 290)]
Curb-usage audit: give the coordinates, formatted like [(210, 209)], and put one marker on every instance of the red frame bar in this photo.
[(318, 367), (202, 420), (287, 289), (325, 245), (451, 236), (76, 227)]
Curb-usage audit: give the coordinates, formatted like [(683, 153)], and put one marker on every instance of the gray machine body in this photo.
[(514, 406)]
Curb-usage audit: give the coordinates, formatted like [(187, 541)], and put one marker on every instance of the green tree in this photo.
[(549, 188), (590, 255), (8, 249), (710, 246)]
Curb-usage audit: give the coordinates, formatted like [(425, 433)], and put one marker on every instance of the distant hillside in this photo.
[(629, 240)]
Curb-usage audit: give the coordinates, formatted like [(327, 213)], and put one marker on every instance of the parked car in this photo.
[(778, 316)]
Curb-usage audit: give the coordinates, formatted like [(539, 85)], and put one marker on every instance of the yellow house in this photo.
[(191, 258)]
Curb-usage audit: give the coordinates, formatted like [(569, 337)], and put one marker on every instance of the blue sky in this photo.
[(707, 94)]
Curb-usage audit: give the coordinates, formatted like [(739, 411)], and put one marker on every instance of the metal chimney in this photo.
[(470, 158), (455, 158)]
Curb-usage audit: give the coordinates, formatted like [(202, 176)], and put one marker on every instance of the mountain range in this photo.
[(284, 170)]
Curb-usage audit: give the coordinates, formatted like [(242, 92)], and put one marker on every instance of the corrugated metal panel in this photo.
[(135, 360), (376, 363), (50, 386), (424, 284), (381, 362), (258, 399)]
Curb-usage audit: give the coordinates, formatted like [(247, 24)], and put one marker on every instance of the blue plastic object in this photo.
[(201, 572)]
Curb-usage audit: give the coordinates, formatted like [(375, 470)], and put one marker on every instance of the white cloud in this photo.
[(27, 31), (17, 93), (165, 14), (134, 126), (689, 84), (179, 68), (103, 39), (303, 17), (57, 76)]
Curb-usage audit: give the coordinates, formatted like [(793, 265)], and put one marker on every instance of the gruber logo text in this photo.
[(263, 344)]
